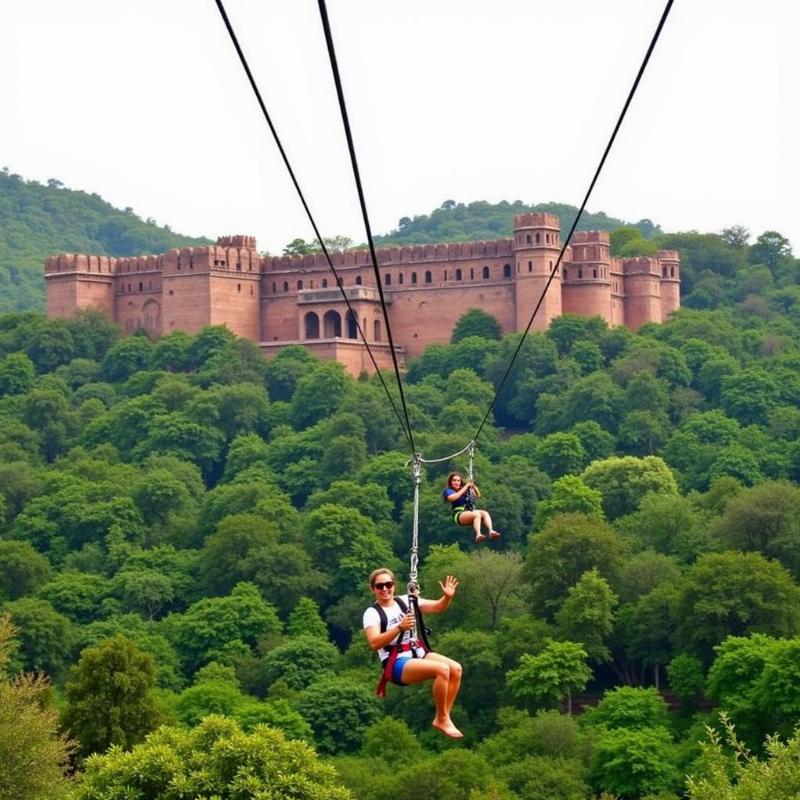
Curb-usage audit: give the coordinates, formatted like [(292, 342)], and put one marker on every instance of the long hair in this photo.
[(450, 484)]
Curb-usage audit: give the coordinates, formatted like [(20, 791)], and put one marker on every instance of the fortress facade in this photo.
[(277, 301)]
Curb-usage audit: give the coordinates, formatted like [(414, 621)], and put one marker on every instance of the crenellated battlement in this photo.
[(583, 237), (392, 256), (537, 219), (641, 265), (238, 241), (430, 287)]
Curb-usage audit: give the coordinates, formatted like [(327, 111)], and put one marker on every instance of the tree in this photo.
[(319, 394), (736, 774), (629, 707), (733, 594), (668, 524), (216, 627), (109, 696), (339, 710), (475, 322), (562, 551), (735, 236), (17, 374), (560, 454), (77, 595), (750, 395), (552, 675), (126, 357), (587, 615), (216, 758), (645, 632), (755, 678), (33, 754), (306, 621), (570, 496), (625, 481), (765, 519), (631, 763), (300, 661), (22, 570), (45, 635), (770, 248)]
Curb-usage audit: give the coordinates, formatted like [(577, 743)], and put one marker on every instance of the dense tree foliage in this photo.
[(37, 221), (221, 514)]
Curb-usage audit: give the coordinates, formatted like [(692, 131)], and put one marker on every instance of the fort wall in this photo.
[(281, 300)]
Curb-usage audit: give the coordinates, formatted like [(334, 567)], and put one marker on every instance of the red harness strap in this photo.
[(388, 667)]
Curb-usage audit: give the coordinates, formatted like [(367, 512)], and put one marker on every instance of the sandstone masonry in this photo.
[(277, 301)]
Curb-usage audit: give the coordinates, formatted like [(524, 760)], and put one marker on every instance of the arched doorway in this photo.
[(311, 326), (332, 324)]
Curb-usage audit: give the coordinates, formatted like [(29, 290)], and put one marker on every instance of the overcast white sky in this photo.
[(145, 103)]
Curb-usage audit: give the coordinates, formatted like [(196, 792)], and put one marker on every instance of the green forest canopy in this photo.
[(203, 519), (37, 221)]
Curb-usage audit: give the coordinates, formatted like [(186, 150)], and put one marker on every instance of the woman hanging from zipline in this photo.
[(462, 495), (389, 624)]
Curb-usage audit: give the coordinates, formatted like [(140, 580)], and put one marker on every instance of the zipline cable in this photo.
[(323, 11), (564, 246), (339, 282)]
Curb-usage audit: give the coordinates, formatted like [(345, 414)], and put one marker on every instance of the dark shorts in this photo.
[(457, 512)]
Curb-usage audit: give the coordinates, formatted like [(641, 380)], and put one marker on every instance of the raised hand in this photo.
[(449, 586)]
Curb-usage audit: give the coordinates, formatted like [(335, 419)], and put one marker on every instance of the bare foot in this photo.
[(448, 729), (479, 537), (494, 534)]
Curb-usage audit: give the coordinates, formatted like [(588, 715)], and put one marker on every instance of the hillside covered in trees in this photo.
[(187, 531), (479, 220), (37, 221)]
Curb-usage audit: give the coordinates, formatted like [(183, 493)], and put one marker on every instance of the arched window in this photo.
[(299, 285), (311, 284), (529, 238), (286, 286), (311, 326), (414, 278), (672, 272), (332, 324), (358, 280), (458, 274), (376, 330), (387, 279), (537, 238), (400, 278), (594, 273), (566, 273), (580, 273), (530, 266), (274, 289), (352, 325), (428, 276), (506, 270), (471, 274), (324, 283), (486, 273), (141, 286)]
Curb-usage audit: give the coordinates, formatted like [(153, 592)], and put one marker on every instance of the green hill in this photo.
[(37, 221), (453, 222)]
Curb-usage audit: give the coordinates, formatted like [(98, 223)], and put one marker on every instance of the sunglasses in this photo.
[(385, 585)]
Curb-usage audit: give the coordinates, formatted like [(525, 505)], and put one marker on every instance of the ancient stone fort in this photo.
[(276, 301)]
